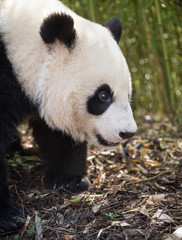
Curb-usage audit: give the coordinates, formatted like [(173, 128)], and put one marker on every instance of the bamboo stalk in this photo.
[(169, 83), (92, 12), (159, 97), (139, 49)]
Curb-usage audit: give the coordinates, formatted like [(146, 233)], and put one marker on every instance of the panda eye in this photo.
[(103, 96), (100, 101)]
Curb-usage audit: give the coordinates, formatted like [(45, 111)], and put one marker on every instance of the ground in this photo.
[(136, 191)]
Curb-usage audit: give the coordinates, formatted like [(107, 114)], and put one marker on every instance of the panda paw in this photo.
[(11, 221), (72, 184)]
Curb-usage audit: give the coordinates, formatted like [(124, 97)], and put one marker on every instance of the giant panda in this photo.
[(71, 77)]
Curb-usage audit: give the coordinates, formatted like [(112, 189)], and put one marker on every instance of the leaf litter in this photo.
[(136, 191)]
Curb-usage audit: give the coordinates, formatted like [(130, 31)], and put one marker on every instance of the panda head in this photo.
[(85, 85)]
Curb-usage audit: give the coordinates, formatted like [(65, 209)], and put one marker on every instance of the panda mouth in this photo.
[(103, 142)]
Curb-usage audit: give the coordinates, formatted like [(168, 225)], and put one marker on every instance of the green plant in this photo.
[(112, 216)]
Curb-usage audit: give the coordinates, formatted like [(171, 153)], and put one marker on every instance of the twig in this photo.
[(151, 178)]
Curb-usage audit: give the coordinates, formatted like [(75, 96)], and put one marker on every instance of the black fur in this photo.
[(11, 220), (58, 26), (14, 147), (114, 25), (97, 106), (65, 160), (14, 106)]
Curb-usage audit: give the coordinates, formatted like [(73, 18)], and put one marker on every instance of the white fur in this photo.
[(62, 81)]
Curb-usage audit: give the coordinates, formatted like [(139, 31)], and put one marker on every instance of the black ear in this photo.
[(58, 26), (114, 25)]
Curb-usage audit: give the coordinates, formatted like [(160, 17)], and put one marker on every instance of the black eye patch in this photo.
[(99, 102)]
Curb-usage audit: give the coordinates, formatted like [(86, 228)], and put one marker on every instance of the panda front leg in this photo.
[(65, 159), (11, 219)]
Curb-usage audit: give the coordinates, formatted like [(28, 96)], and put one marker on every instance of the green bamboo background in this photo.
[(152, 45)]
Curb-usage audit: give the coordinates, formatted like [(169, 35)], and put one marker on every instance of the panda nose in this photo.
[(125, 135)]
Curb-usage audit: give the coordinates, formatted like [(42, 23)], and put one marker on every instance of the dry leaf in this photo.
[(144, 211), (68, 237), (69, 202), (157, 197), (96, 208), (134, 178), (82, 198), (162, 216), (152, 163), (178, 233), (120, 223)]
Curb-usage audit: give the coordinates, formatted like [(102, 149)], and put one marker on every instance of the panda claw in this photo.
[(72, 184)]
